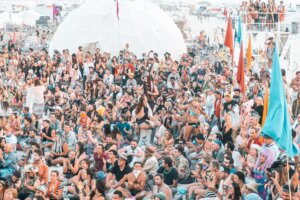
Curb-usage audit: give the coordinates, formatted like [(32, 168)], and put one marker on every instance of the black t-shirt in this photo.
[(48, 133), (169, 176), (118, 173)]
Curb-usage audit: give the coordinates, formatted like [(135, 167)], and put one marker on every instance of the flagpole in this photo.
[(119, 37), (288, 175)]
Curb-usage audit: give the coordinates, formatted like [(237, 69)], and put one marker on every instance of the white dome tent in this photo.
[(142, 24)]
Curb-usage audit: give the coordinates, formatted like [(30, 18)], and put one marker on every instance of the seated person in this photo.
[(59, 151), (136, 182)]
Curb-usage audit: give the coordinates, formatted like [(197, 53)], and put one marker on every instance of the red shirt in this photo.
[(256, 141)]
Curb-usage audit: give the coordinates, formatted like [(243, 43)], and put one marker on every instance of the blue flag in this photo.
[(277, 124), (239, 32)]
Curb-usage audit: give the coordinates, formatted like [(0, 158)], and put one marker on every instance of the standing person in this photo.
[(143, 115), (270, 52), (86, 70), (150, 90), (79, 60)]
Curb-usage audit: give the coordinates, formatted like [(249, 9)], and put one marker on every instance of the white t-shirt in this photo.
[(129, 150)]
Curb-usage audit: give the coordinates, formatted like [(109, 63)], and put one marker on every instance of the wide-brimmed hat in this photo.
[(252, 186), (30, 168), (42, 189), (123, 156)]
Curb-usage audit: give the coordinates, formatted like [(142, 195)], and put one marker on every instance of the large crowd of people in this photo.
[(262, 14), (95, 126)]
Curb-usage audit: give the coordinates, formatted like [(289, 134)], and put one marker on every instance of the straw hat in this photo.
[(42, 189), (123, 156), (252, 186), (30, 168)]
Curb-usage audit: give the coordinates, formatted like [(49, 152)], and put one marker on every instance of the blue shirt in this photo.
[(10, 161), (123, 126)]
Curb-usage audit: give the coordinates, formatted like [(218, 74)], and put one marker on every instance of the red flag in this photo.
[(225, 12), (118, 9), (229, 36), (240, 77)]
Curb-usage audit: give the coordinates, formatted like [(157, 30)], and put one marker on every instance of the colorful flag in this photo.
[(266, 104), (249, 53), (240, 77), (277, 124), (229, 37), (118, 10)]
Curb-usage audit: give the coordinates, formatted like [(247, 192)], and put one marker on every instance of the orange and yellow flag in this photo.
[(249, 53), (266, 105)]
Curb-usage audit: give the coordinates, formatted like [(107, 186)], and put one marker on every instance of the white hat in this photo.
[(255, 146), (58, 108), (123, 156), (42, 189), (252, 186), (30, 168)]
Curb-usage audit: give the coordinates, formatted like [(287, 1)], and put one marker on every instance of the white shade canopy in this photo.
[(142, 24), (29, 17)]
